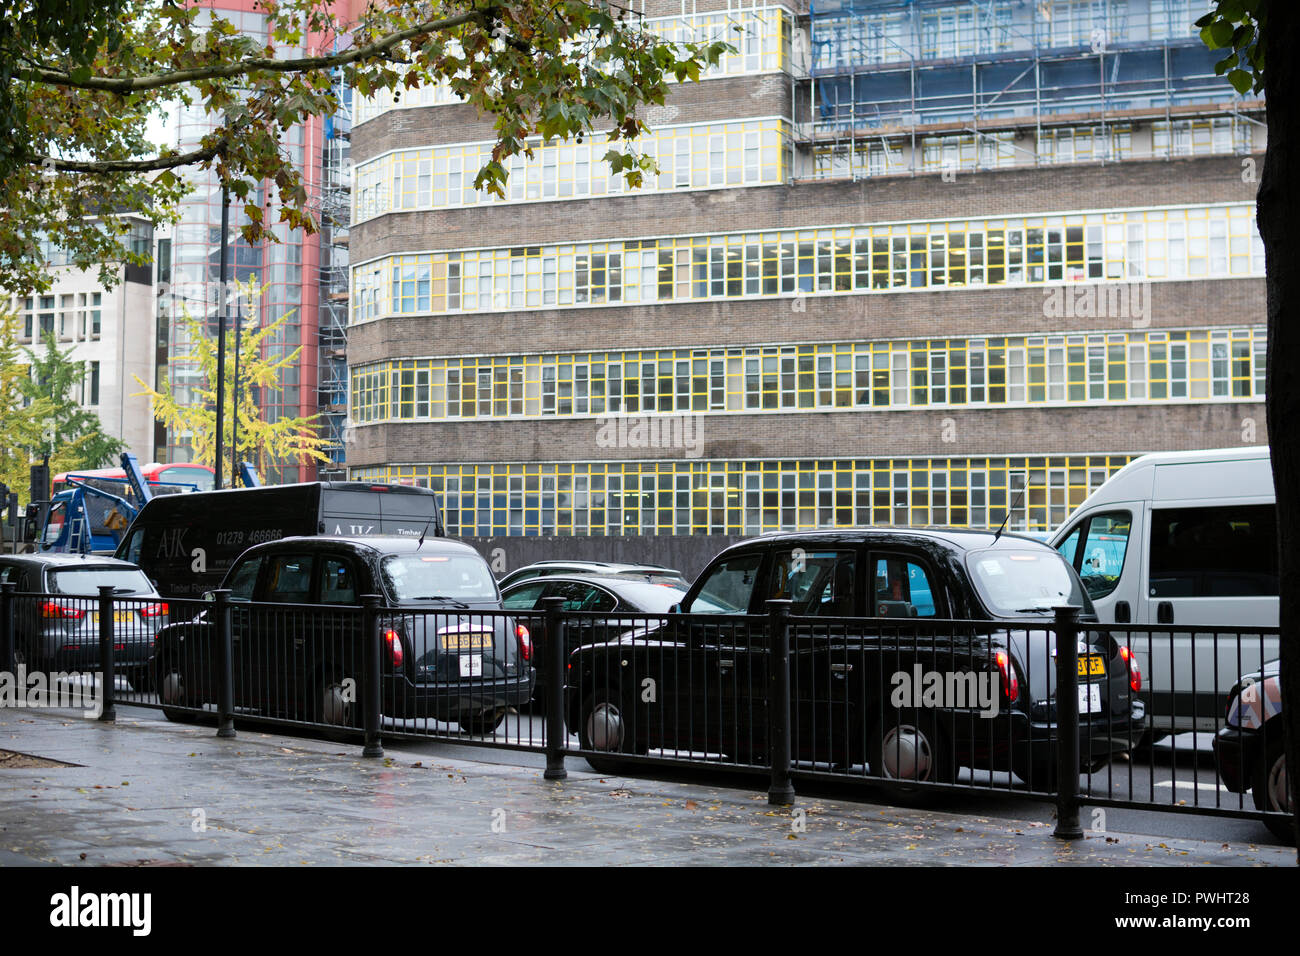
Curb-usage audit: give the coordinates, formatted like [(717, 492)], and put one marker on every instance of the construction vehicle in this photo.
[(91, 513)]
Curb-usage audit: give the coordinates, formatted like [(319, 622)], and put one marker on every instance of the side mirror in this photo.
[(208, 596)]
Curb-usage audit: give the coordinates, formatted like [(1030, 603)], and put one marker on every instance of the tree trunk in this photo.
[(1278, 213)]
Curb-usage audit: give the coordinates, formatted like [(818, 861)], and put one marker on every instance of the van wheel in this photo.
[(1269, 789)]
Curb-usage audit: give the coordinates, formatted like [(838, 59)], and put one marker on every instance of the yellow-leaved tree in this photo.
[(267, 444)]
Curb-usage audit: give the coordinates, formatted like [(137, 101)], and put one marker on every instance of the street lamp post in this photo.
[(234, 413), (220, 459)]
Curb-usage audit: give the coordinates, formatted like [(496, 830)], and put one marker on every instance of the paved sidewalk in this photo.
[(151, 792)]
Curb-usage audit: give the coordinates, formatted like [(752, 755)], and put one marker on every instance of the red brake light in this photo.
[(1010, 682), (63, 611), (154, 610), (1134, 671), (394, 642), (525, 642)]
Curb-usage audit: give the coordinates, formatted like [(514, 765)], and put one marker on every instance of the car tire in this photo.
[(1268, 787), (907, 745), (174, 692), (603, 726), (330, 708), (482, 723)]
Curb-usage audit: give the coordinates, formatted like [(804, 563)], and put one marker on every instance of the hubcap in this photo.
[(173, 689), (335, 709), (605, 727), (1277, 786), (906, 754)]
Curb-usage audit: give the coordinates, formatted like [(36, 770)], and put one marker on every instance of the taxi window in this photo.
[(816, 582), (338, 581), (903, 588), (244, 580), (290, 579)]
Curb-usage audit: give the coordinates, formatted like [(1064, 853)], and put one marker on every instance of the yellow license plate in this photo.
[(467, 642), (1094, 665), (119, 617)]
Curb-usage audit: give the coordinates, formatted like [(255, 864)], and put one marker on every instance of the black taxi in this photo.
[(449, 650), (914, 652)]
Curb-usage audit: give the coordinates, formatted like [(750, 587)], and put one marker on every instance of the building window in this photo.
[(1131, 245), (1076, 368), (748, 497)]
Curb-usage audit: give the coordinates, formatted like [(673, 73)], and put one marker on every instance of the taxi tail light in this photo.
[(53, 609), (1010, 682), (393, 641), (525, 642), (1134, 671), (154, 610)]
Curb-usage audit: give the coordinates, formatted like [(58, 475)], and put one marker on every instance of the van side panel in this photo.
[(348, 511), (191, 540), (1246, 478)]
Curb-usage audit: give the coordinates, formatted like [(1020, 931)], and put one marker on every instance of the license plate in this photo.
[(467, 642), (471, 665), (119, 617), (1093, 665), (1090, 699)]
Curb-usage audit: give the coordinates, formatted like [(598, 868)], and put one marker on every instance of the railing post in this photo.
[(7, 590), (223, 614), (370, 698), (781, 790), (106, 638), (556, 659), (1067, 724)]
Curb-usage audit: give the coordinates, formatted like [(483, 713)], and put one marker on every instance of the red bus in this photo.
[(182, 473)]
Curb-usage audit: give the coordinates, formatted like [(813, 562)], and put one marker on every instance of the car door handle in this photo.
[(726, 665), (841, 668)]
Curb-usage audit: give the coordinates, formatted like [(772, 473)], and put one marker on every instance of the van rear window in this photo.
[(1214, 552)]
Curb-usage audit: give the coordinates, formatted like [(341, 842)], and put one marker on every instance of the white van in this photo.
[(1187, 539)]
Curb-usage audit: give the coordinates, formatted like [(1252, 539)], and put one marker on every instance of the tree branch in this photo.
[(137, 84), (107, 166)]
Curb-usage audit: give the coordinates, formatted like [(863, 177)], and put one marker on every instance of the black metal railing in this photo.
[(1060, 709)]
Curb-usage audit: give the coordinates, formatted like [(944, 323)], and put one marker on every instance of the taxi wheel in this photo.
[(1269, 788), (907, 745), (483, 722), (337, 704), (603, 725), (174, 688)]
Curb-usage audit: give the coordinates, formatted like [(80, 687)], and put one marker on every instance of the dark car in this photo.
[(1249, 751), (603, 596), (57, 628), (652, 573), (449, 653), (946, 602)]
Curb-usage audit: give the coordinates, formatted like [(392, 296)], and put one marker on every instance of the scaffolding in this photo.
[(900, 86), (335, 205)]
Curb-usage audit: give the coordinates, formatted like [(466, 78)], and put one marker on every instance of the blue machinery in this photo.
[(89, 519)]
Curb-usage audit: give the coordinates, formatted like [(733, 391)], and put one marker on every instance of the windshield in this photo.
[(87, 581), (423, 577), (1025, 582)]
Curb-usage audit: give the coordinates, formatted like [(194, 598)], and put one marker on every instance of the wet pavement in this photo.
[(150, 792)]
